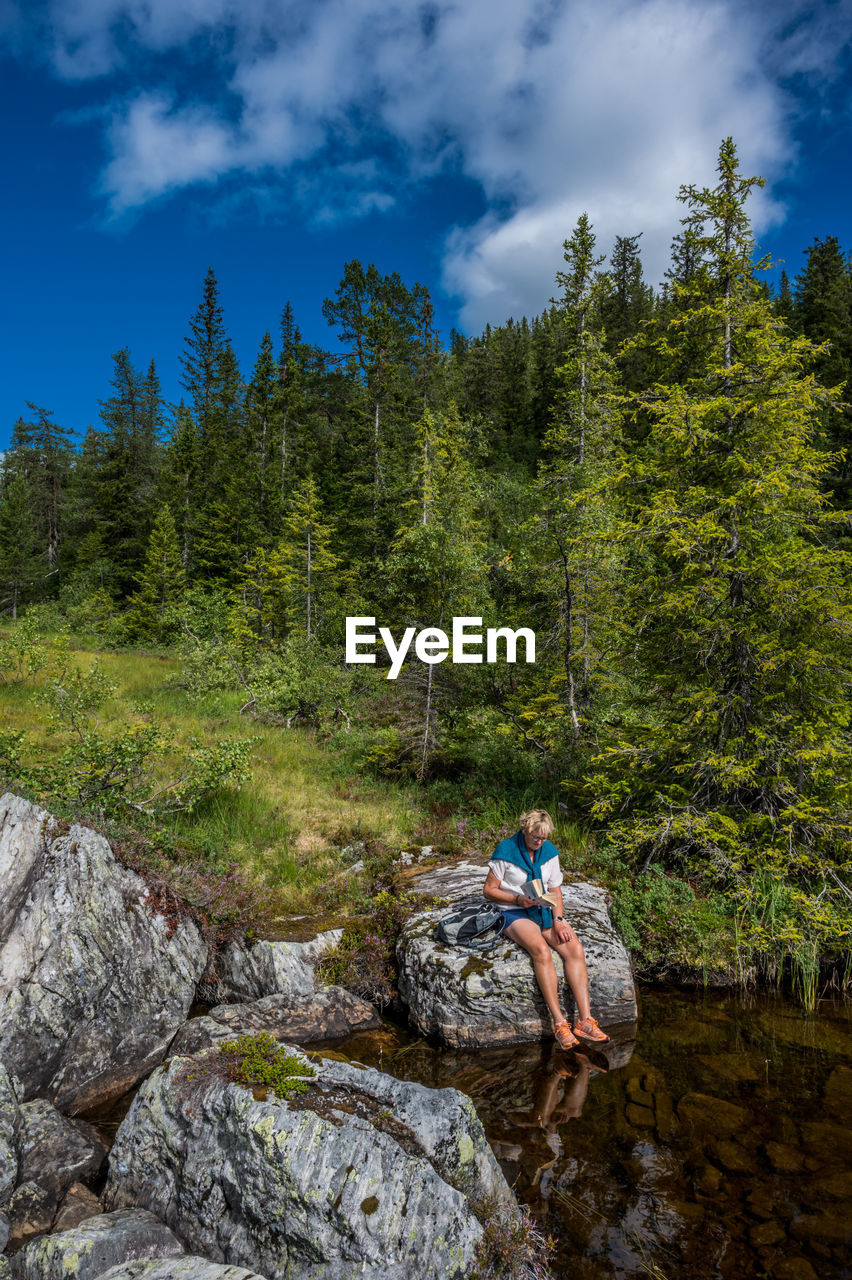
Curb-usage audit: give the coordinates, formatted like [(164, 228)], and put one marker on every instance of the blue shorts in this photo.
[(519, 913)]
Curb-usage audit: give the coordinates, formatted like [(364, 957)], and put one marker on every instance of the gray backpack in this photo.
[(476, 926)]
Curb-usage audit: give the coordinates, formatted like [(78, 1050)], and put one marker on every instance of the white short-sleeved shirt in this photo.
[(512, 878)]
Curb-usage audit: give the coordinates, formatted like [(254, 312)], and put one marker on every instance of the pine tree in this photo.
[(437, 566), (387, 329), (822, 311), (738, 761), (20, 564), (264, 430), (580, 453), (202, 358), (41, 451), (625, 307), (117, 491), (180, 479), (160, 585), (221, 526), (305, 560)]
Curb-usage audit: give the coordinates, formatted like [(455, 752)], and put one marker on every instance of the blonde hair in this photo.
[(537, 822)]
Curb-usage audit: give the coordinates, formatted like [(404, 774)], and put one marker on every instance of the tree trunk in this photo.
[(309, 582), (567, 653), (377, 475)]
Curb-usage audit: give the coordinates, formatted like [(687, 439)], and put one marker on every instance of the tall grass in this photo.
[(284, 828)]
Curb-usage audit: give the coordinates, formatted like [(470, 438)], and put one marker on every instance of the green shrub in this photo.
[(510, 1248), (258, 1061), (664, 922)]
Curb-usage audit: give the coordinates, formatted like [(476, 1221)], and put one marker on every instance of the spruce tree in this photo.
[(305, 561), (625, 307), (118, 493), (41, 451), (822, 311), (20, 564), (161, 583), (575, 566), (437, 566), (738, 760)]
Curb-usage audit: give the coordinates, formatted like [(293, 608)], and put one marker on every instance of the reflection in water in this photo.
[(718, 1146)]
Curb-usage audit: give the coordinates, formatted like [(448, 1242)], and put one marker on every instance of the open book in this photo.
[(535, 889)]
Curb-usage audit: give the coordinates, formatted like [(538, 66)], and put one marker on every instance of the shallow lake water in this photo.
[(710, 1140)]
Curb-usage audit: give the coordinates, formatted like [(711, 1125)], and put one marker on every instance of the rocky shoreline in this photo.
[(359, 1174)]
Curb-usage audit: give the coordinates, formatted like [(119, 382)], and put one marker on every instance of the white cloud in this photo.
[(552, 106)]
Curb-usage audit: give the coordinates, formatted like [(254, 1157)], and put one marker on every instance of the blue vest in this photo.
[(513, 849)]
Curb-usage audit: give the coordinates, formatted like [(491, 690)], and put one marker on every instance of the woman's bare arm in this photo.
[(504, 897)]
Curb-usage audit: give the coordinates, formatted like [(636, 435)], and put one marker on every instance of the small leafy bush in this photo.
[(364, 960), (99, 766), (254, 1061), (664, 922), (259, 1061), (510, 1248), (22, 652)]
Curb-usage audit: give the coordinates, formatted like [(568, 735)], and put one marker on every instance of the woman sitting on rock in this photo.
[(529, 855)]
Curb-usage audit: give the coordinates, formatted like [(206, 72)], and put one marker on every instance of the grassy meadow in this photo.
[(284, 827)]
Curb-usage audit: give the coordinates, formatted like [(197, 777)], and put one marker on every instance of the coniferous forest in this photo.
[(656, 481)]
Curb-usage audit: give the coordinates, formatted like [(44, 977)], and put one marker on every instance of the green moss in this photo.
[(466, 1149), (370, 1205), (475, 964), (259, 1061)]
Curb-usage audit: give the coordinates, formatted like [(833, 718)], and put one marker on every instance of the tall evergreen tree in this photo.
[(625, 307), (20, 564), (437, 566), (118, 489), (307, 559), (386, 328), (739, 619), (580, 452), (41, 451), (822, 311), (220, 526), (160, 584)]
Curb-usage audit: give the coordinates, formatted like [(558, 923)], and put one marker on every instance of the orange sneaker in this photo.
[(565, 1036), (588, 1029)]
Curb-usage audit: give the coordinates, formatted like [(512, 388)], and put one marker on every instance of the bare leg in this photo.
[(574, 962), (529, 936)]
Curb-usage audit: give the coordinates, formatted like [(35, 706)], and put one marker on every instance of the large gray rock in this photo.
[(79, 1204), (189, 1268), (268, 968), (53, 1153), (326, 1015), (10, 1119), (41, 1155), (97, 1245), (56, 1151), (361, 1169), (94, 980), (490, 998)]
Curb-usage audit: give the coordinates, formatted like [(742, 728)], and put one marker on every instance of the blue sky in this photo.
[(455, 142)]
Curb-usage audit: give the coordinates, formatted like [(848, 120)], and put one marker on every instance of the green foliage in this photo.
[(365, 958), (735, 756), (22, 652), (670, 928), (154, 609), (19, 559), (102, 767), (256, 1062), (511, 1247), (259, 1061), (656, 486)]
